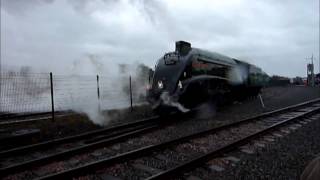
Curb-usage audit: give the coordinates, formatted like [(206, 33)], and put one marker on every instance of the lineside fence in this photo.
[(46, 92)]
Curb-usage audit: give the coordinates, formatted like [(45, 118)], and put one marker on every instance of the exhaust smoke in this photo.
[(168, 100), (77, 90)]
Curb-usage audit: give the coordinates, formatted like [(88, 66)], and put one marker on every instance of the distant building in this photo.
[(279, 81), (298, 81)]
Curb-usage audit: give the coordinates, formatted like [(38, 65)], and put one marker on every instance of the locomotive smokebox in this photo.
[(183, 47)]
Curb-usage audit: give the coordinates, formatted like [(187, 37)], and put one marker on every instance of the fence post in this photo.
[(52, 101), (130, 93), (98, 92)]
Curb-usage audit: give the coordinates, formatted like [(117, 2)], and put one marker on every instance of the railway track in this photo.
[(15, 119), (139, 155), (22, 115), (18, 159), (42, 152), (247, 144)]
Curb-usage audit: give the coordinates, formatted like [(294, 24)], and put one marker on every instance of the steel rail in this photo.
[(20, 115), (288, 108), (93, 143), (50, 143), (12, 119), (225, 149), (77, 171), (54, 157), (31, 120)]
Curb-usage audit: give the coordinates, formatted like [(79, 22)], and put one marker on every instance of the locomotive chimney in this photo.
[(183, 47)]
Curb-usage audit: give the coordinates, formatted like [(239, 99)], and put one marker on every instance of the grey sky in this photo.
[(56, 35)]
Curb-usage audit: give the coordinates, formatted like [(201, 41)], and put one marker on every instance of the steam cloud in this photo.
[(167, 100), (27, 91), (238, 74)]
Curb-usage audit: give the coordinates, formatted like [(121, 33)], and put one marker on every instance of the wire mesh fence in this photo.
[(24, 92), (31, 92)]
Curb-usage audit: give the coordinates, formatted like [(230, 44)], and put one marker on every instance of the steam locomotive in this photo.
[(189, 76)]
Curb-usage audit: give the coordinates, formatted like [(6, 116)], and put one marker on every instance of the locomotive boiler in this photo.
[(189, 76)]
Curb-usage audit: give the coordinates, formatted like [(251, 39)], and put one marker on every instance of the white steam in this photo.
[(113, 85), (78, 93), (167, 100), (27, 91), (238, 74)]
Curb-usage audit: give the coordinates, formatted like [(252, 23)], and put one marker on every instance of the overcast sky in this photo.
[(56, 35)]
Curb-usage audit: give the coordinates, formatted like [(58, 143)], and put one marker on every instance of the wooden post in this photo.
[(98, 92), (52, 101), (130, 93)]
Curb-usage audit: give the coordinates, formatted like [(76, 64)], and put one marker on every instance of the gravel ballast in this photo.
[(285, 158)]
